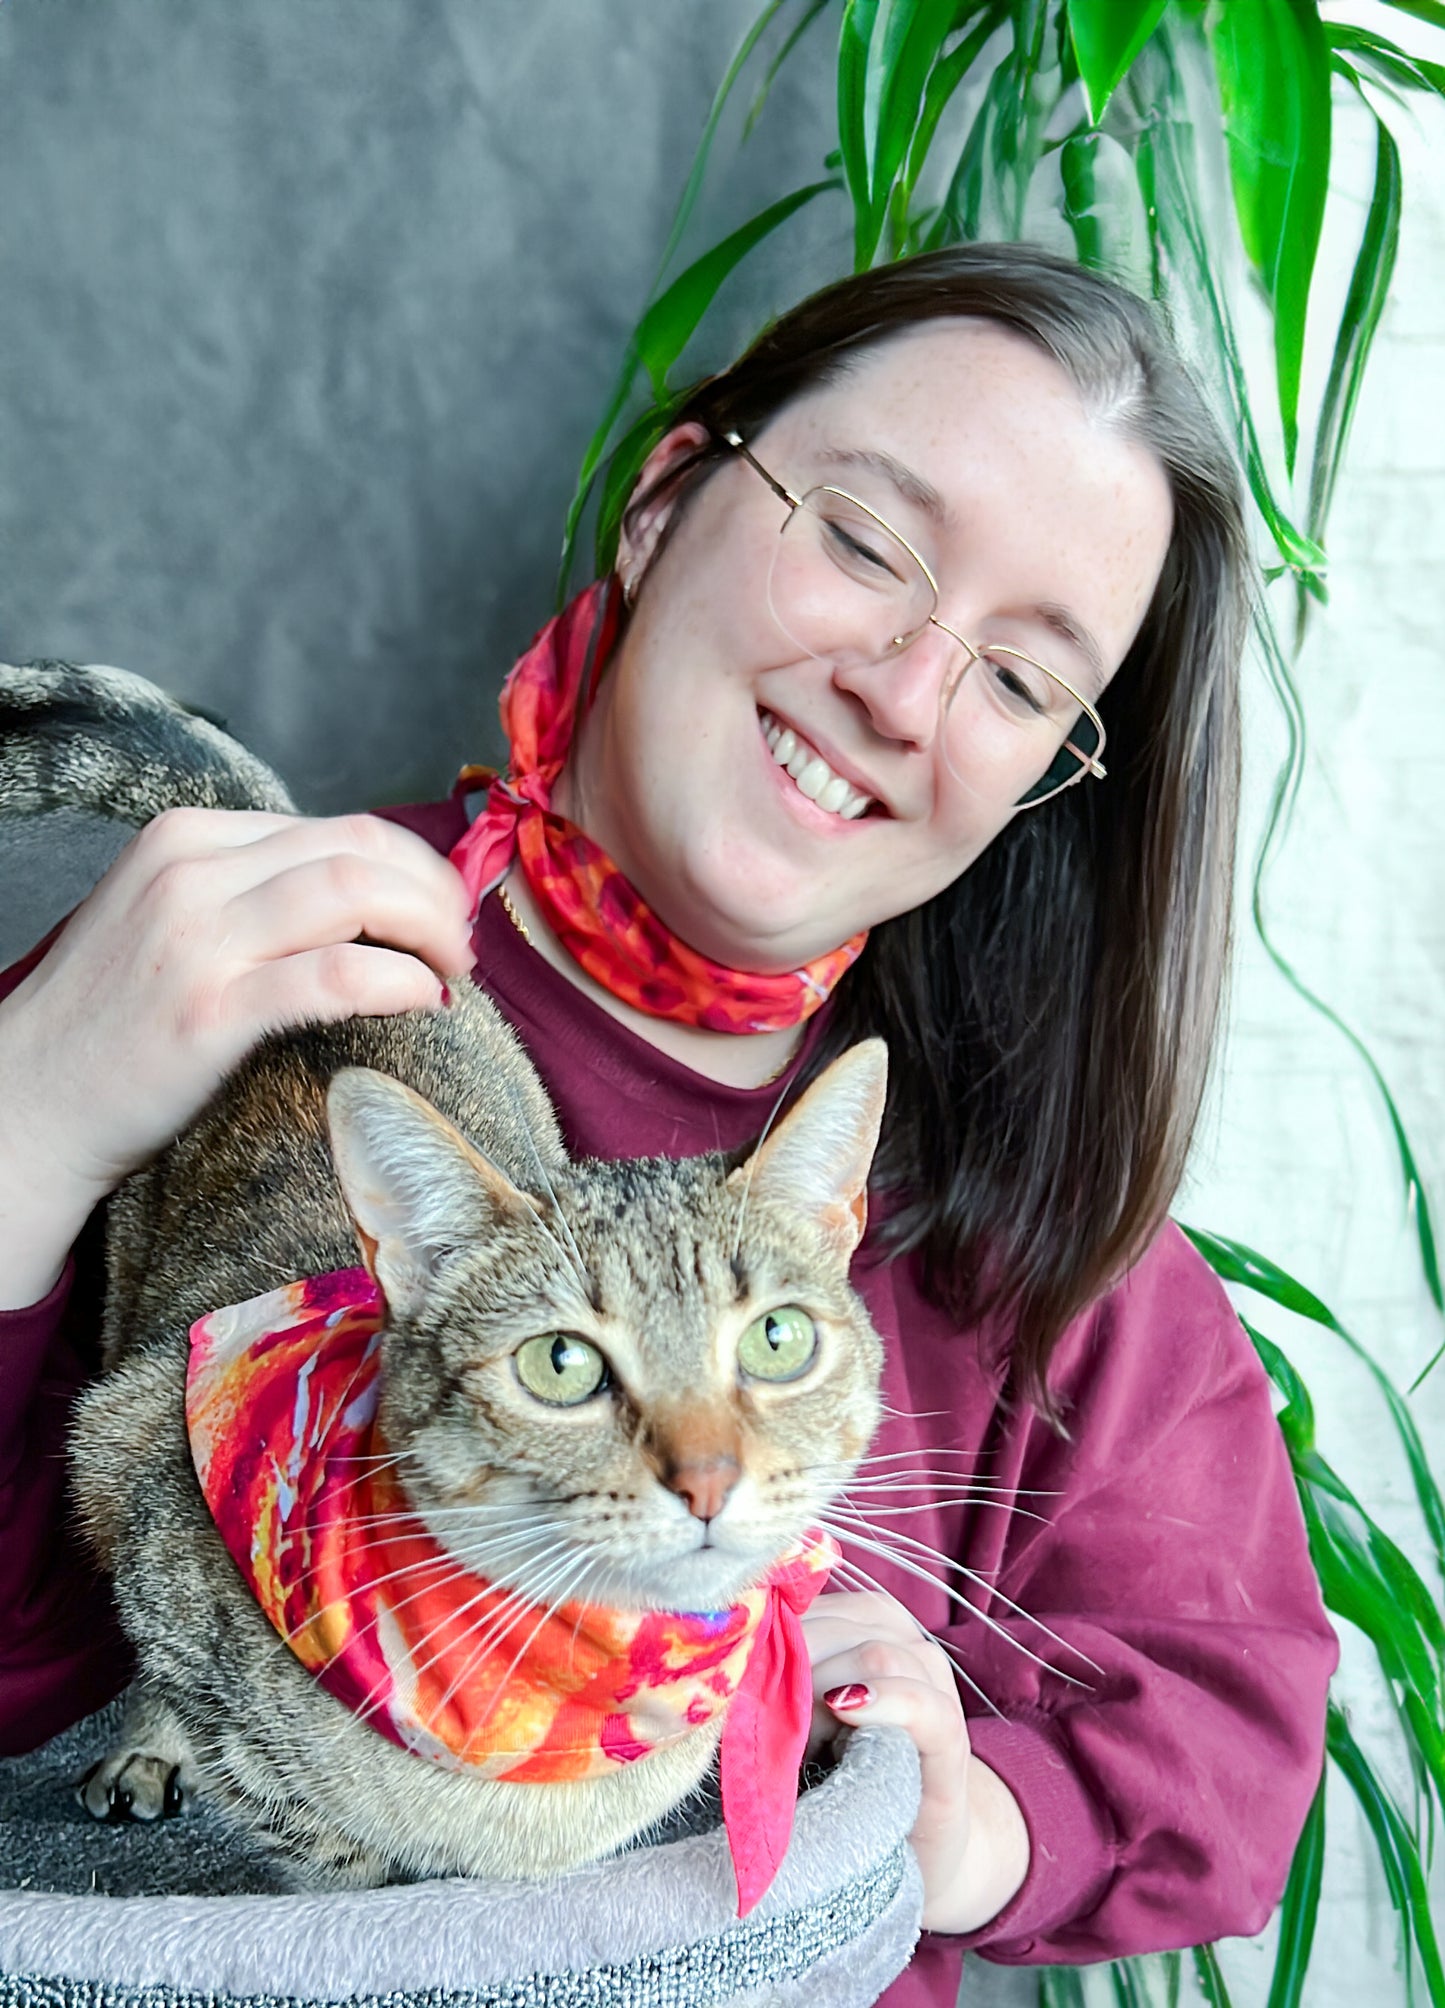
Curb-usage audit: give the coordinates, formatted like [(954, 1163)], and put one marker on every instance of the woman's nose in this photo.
[(903, 692)]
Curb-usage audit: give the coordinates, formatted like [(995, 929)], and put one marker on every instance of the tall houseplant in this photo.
[(1182, 146)]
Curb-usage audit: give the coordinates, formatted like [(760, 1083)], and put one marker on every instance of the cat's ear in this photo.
[(415, 1186), (816, 1160)]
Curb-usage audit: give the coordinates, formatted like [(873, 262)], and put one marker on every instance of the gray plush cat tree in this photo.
[(184, 1916)]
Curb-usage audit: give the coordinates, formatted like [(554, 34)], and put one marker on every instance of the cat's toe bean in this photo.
[(130, 1785), (153, 1785)]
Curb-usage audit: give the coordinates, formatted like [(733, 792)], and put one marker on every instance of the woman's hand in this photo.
[(211, 928), (970, 1838)]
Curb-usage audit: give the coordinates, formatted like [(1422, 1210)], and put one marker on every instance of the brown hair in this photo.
[(1050, 1015)]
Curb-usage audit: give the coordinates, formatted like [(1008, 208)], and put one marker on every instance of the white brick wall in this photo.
[(1296, 1157)]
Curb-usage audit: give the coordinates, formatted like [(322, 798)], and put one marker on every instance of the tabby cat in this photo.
[(571, 1355)]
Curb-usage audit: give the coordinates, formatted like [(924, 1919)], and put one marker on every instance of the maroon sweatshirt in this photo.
[(1163, 1790)]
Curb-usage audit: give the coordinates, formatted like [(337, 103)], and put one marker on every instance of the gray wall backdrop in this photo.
[(307, 310)]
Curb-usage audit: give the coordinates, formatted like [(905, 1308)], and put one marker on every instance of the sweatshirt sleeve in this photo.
[(1166, 1780), (61, 1653)]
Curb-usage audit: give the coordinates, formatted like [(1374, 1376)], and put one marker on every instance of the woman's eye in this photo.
[(1021, 686), (854, 554), (557, 1367), (779, 1346)]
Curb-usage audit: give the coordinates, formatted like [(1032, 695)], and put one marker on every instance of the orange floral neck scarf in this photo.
[(594, 912), (281, 1401)]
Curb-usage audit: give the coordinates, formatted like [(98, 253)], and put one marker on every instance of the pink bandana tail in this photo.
[(766, 1731)]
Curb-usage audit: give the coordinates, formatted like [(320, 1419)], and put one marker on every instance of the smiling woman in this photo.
[(825, 758)]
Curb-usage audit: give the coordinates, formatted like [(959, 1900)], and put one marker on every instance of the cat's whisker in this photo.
[(923, 1479), (858, 1539), (372, 1460), (856, 1577), (562, 1573), (374, 1700), (498, 1627), (926, 1505), (923, 1449), (571, 1250), (513, 1601), (468, 1516), (773, 1113), (427, 1564), (556, 1604), (458, 1573), (902, 1541)]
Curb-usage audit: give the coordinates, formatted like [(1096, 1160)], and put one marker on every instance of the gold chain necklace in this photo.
[(512, 914)]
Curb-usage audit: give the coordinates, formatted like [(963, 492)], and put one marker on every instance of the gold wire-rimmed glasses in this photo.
[(846, 587)]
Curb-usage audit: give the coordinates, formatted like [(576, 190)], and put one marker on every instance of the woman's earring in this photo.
[(628, 581)]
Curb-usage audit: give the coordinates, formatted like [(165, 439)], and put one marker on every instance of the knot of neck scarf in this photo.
[(594, 912), (281, 1404)]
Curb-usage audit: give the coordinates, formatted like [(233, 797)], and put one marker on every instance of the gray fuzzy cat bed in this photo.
[(83, 1923)]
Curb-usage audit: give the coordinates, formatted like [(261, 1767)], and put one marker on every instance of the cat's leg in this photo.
[(149, 1771)]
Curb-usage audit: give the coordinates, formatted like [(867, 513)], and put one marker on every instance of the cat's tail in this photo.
[(104, 740)]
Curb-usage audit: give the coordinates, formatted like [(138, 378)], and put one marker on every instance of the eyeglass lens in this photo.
[(845, 588)]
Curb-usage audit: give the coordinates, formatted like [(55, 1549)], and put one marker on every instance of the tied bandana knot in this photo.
[(281, 1402), (600, 919)]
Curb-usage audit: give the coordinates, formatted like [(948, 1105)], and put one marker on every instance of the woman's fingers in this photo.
[(340, 896), (883, 1681), (934, 1721), (346, 979), (212, 928), (895, 1639), (295, 882)]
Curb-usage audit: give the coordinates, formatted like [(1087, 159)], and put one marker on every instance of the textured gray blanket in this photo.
[(184, 1915)]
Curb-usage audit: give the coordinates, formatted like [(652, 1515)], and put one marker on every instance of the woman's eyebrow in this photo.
[(912, 487), (1063, 622)]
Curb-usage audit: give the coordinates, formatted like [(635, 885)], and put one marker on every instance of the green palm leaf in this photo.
[(1299, 1910), (1423, 10), (1210, 1977), (1107, 37), (665, 330), (1399, 1857), (1235, 1263), (1359, 320), (1061, 1987), (1274, 85)]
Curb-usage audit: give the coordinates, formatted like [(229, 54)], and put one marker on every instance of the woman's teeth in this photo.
[(815, 778)]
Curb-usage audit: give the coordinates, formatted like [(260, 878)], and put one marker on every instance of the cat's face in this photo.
[(640, 1387)]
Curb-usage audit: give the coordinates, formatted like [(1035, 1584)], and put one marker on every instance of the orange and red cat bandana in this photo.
[(595, 913), (281, 1401)]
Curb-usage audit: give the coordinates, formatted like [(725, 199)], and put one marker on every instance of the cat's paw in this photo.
[(148, 1772), (134, 1785)]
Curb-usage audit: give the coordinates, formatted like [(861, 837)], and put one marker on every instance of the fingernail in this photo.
[(854, 1695), (446, 997)]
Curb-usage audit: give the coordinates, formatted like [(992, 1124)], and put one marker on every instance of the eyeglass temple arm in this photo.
[(735, 441), (1091, 766)]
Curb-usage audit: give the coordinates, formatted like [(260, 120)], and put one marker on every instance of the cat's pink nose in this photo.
[(704, 1483)]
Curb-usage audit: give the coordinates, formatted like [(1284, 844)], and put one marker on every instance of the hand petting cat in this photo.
[(211, 927), (873, 1662)]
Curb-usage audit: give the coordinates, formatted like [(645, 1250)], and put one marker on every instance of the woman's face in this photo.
[(1045, 530)]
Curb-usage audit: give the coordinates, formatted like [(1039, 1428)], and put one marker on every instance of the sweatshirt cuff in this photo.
[(26, 1337), (1070, 1856)]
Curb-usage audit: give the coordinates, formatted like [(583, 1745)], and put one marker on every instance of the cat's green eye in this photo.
[(779, 1345), (559, 1368)]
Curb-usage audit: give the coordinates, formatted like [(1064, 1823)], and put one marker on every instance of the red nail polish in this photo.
[(854, 1695), (446, 997)]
